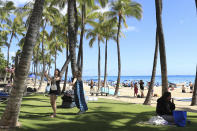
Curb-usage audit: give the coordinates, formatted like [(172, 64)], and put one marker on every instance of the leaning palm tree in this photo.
[(158, 4), (120, 10), (150, 89), (10, 116), (194, 96)]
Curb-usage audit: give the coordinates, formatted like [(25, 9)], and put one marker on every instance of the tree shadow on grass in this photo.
[(97, 119)]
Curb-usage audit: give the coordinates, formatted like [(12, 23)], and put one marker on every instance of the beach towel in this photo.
[(180, 118), (79, 96)]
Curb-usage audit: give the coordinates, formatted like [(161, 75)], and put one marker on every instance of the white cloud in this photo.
[(107, 8), (20, 2), (130, 28)]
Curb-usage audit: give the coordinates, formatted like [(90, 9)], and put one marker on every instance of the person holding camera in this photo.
[(54, 89), (165, 107)]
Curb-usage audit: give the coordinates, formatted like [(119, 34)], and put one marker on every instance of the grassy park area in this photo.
[(103, 115)]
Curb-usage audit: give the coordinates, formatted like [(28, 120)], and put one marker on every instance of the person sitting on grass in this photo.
[(165, 107)]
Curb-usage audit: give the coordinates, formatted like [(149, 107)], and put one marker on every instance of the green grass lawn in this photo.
[(103, 115)]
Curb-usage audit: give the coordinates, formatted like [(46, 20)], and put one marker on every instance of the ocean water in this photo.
[(171, 78)]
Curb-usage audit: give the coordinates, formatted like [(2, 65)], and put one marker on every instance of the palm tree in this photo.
[(87, 15), (97, 33), (72, 35), (11, 114), (109, 33), (158, 4), (194, 96), (150, 89), (120, 10), (5, 10), (17, 28)]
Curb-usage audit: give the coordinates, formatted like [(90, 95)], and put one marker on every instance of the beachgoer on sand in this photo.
[(79, 93), (183, 89), (191, 87), (54, 89), (165, 107), (91, 87), (135, 89), (142, 88), (12, 71)]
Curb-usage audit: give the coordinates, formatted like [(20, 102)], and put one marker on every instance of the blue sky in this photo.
[(137, 48)]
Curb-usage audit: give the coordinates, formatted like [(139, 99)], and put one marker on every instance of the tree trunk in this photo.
[(196, 4), (11, 113), (8, 59), (99, 65), (55, 56), (43, 57), (65, 66), (105, 73), (80, 52), (163, 62), (72, 35), (119, 59), (150, 90), (194, 97), (66, 73)]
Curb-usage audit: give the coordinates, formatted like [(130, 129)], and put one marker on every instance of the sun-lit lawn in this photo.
[(103, 115)]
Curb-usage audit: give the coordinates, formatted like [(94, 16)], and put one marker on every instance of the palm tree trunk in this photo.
[(43, 57), (72, 35), (66, 73), (119, 59), (105, 73), (55, 56), (161, 46), (196, 4), (80, 52), (8, 59), (194, 96), (99, 64), (11, 114), (150, 90)]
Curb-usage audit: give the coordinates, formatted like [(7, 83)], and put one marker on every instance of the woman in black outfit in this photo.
[(165, 107), (54, 90)]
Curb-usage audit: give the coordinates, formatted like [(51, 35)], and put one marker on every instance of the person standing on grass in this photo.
[(79, 94), (54, 90)]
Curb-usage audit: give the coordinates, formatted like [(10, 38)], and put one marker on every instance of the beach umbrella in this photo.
[(32, 76)]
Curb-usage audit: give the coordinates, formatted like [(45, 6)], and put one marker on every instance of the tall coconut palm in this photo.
[(158, 4), (88, 13), (194, 96), (11, 114), (17, 28), (109, 33), (97, 34), (150, 89), (120, 10)]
